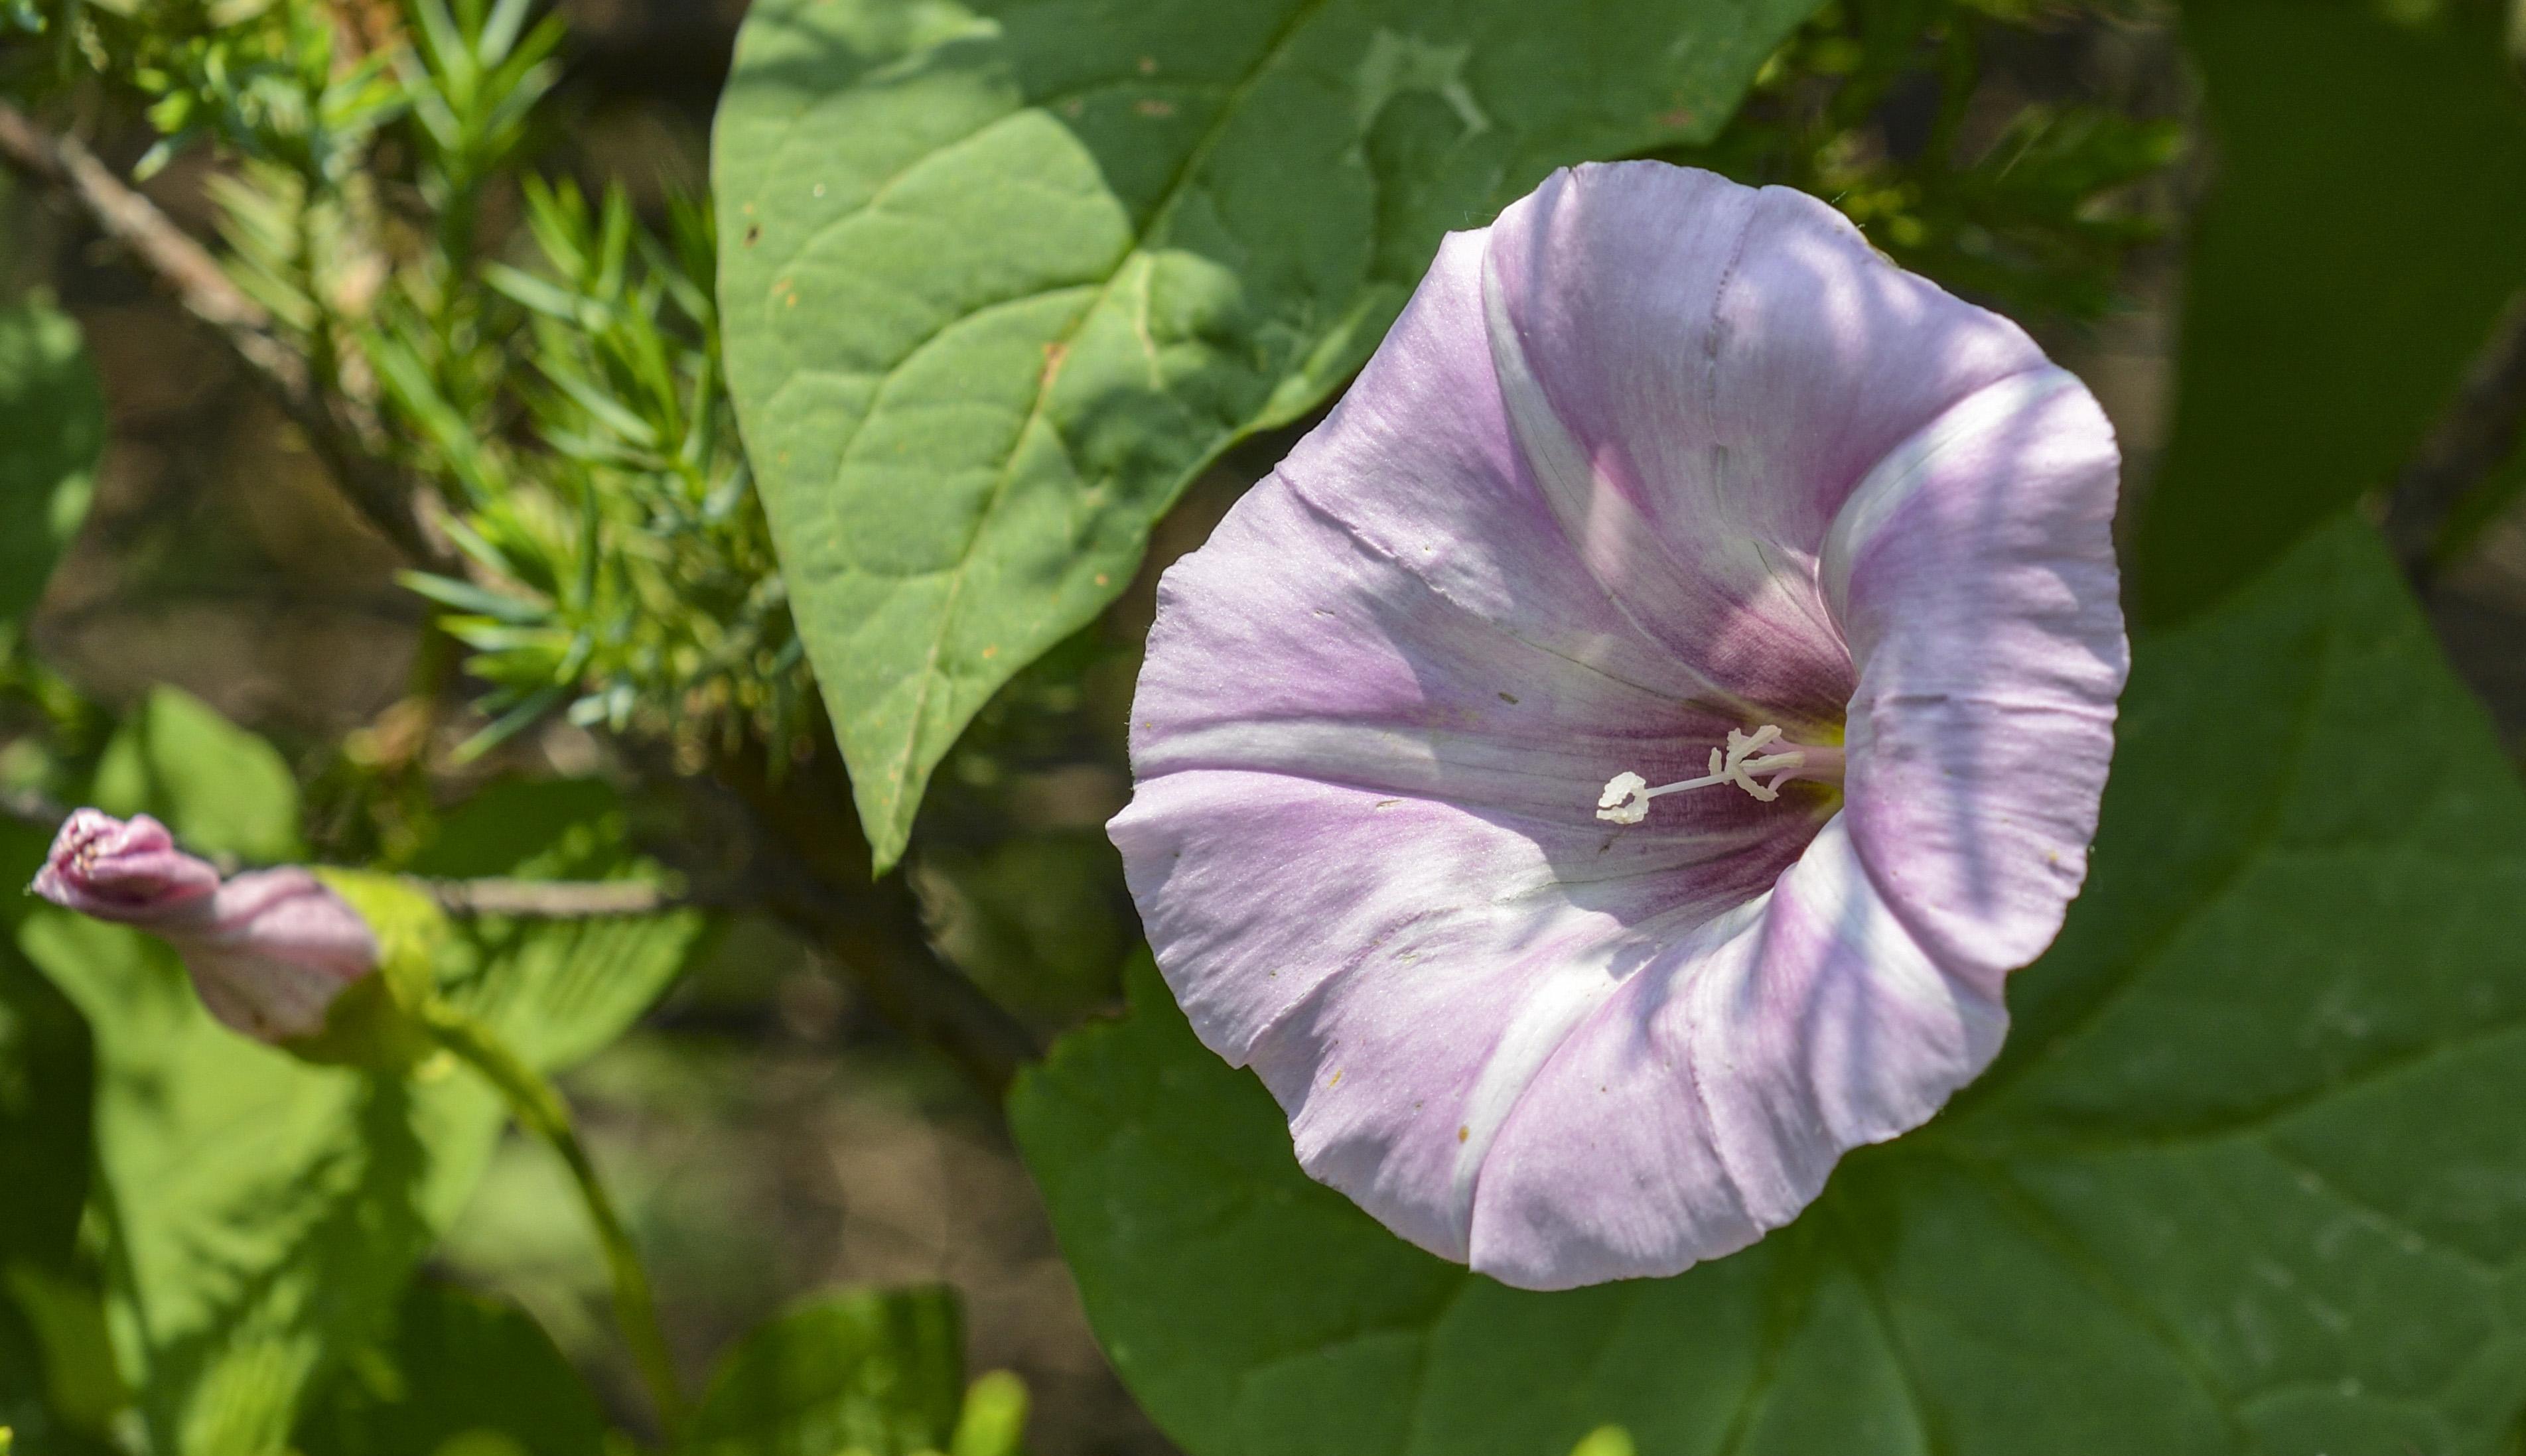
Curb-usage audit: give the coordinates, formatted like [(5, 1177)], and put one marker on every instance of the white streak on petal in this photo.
[(1707, 1103), (1910, 465), (1563, 996)]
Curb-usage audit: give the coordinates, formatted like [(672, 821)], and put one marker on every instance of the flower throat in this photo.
[(1758, 762)]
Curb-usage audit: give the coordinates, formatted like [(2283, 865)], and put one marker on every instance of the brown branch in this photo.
[(809, 868), (345, 433), (2474, 438), (877, 938)]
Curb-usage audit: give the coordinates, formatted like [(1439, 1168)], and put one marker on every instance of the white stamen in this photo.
[(1626, 799)]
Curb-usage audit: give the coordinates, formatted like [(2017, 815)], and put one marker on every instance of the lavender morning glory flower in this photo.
[(1610, 769), (269, 950)]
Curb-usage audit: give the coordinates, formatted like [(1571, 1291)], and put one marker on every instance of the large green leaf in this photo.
[(460, 1376), (52, 431), (266, 1214), (2248, 1178), (1000, 277), (2363, 232), (869, 1373)]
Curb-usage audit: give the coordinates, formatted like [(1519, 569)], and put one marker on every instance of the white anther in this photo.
[(1623, 801), (1626, 799)]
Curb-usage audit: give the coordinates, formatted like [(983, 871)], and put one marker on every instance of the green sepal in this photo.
[(376, 1022)]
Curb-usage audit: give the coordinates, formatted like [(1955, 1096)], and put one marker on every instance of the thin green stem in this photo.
[(541, 1110)]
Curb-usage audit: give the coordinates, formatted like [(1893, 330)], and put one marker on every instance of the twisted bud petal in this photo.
[(269, 951), (131, 874)]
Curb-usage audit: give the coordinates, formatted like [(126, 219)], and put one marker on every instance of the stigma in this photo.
[(1758, 762)]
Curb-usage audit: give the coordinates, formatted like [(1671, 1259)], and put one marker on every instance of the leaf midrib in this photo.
[(900, 771)]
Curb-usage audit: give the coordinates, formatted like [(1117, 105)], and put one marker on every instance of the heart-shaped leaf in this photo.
[(2250, 1175), (1000, 277)]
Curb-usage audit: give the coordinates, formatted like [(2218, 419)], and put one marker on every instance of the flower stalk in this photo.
[(540, 1109)]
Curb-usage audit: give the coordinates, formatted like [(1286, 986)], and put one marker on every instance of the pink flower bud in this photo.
[(131, 874), (268, 950)]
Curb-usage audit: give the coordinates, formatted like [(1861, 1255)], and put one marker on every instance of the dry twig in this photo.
[(347, 435), (556, 900)]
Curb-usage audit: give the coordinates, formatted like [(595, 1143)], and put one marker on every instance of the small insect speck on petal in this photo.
[(1335, 1079), (1509, 698), (1463, 1132)]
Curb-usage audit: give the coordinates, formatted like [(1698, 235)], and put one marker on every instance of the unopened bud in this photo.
[(131, 874), (270, 951)]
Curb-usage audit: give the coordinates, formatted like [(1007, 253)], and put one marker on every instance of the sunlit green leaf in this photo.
[(998, 279), (2248, 1177)]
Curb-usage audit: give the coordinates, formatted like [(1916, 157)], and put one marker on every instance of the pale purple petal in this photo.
[(1702, 373), (1418, 464), (279, 947), (1358, 736), (1654, 459), (1973, 574), (1704, 1105)]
